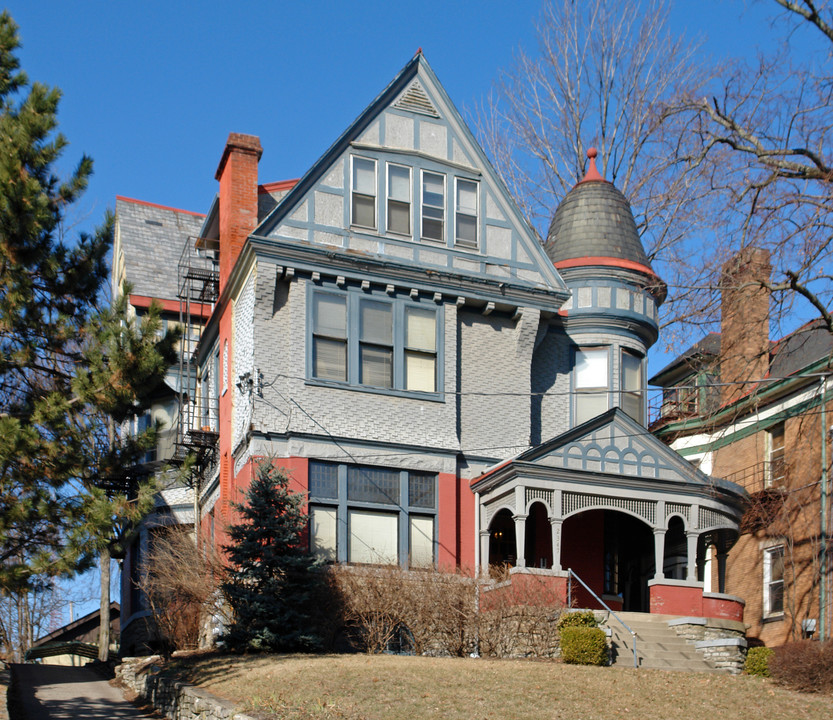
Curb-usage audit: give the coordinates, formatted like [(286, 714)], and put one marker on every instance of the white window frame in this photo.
[(476, 215), (423, 205), (579, 392), (390, 199), (776, 475), (770, 555), (624, 390), (354, 192)]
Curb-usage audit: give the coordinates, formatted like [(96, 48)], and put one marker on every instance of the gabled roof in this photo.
[(612, 445), (415, 100), (151, 240)]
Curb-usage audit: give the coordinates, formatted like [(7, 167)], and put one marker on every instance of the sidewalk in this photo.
[(54, 692)]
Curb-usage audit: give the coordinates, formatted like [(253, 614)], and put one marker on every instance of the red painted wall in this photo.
[(724, 608), (582, 549), (676, 600)]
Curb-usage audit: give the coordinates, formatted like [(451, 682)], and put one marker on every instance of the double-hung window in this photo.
[(363, 205), (591, 382), (374, 341), (632, 386), (774, 581), (399, 199), (776, 468), (372, 515), (433, 206), (329, 337), (465, 232)]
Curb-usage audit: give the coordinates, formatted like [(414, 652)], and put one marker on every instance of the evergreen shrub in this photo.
[(579, 618), (757, 661), (583, 646)]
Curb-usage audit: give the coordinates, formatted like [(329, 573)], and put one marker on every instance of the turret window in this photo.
[(632, 386), (591, 383)]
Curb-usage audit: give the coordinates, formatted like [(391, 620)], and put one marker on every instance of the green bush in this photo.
[(806, 666), (583, 646), (580, 618), (757, 661)]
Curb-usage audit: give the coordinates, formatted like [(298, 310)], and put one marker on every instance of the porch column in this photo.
[(691, 543), (659, 553), (721, 570), (555, 524), (520, 539), (484, 552)]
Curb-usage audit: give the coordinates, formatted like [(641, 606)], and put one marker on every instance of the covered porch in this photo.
[(638, 524)]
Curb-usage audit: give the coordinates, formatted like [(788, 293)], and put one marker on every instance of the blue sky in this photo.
[(152, 89)]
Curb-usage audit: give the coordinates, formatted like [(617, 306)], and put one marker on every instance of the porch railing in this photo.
[(570, 576)]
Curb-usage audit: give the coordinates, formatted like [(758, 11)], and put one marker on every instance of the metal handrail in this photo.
[(571, 574)]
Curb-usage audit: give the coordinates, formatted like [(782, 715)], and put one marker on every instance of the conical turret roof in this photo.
[(594, 221)]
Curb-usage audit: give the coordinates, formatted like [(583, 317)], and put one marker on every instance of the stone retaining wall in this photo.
[(172, 697), (722, 642)]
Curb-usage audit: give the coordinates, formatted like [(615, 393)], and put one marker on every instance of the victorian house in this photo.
[(446, 389)]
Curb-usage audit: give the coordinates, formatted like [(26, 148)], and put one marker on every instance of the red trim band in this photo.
[(143, 301), (156, 205)]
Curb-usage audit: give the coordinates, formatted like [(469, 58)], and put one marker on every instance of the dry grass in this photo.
[(384, 687)]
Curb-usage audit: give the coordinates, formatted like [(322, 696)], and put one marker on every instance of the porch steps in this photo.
[(658, 646)]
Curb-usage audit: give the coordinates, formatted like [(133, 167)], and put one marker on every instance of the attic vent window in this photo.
[(153, 222), (415, 100)]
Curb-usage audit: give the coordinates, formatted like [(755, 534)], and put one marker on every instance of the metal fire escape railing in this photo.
[(197, 427), (570, 576)]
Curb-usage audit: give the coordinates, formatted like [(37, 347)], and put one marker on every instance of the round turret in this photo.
[(594, 221)]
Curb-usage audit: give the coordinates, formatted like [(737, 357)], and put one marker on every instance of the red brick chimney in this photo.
[(744, 341), (237, 174)]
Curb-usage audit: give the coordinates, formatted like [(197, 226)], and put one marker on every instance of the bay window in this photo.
[(374, 341), (591, 381)]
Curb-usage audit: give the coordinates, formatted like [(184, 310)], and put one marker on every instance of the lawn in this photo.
[(387, 687)]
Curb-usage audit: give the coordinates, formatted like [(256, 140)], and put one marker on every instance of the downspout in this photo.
[(823, 629)]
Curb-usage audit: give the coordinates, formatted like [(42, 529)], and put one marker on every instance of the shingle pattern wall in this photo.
[(243, 348), (152, 239), (594, 220), (291, 405)]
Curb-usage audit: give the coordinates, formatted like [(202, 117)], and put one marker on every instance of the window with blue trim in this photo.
[(372, 515), (373, 341), (591, 381)]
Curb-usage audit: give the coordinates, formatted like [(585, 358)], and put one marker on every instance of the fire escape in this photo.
[(198, 427)]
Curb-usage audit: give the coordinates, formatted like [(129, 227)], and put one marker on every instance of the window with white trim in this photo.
[(363, 203), (372, 515), (433, 206), (399, 199), (465, 214), (776, 449), (374, 341), (774, 581), (591, 381), (632, 386)]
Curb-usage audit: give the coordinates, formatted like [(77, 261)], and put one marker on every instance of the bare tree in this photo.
[(764, 140), (604, 74)]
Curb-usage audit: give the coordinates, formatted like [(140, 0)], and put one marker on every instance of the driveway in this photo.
[(54, 692)]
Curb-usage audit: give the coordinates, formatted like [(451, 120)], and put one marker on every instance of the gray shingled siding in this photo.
[(243, 362), (152, 240), (594, 220), (551, 365), (495, 354), (291, 405)]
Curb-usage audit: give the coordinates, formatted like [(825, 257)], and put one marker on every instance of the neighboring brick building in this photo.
[(755, 412), (446, 390)]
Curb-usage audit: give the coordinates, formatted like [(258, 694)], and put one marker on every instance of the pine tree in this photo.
[(271, 576), (70, 372)]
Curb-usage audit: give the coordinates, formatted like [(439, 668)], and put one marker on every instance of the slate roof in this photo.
[(594, 220), (152, 238)]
